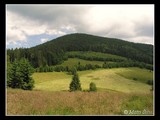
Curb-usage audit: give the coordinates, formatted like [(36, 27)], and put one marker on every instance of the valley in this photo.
[(123, 73)]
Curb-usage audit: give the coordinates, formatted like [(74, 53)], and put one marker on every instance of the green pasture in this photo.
[(116, 79)]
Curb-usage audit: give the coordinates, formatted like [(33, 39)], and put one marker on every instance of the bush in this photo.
[(92, 87), (150, 82), (85, 90), (134, 78)]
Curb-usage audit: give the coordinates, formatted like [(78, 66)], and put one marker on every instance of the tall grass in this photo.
[(117, 92), (138, 104), (21, 102)]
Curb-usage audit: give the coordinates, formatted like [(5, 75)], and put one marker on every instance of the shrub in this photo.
[(150, 82), (134, 78), (92, 87)]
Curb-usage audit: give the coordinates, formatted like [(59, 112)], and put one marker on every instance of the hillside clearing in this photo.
[(143, 76), (71, 62), (95, 55)]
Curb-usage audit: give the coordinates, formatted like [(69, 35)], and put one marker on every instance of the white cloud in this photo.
[(20, 27), (44, 40), (118, 20), (13, 32), (54, 32), (130, 22), (143, 39)]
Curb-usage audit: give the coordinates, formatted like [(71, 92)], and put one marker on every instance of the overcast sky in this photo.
[(30, 25)]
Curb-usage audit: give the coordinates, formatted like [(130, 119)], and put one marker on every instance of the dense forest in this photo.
[(54, 52)]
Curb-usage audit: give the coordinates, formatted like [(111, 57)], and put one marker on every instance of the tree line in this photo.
[(106, 65), (43, 65)]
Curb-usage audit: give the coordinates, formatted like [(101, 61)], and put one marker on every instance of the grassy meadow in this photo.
[(71, 62), (105, 79), (20, 102), (92, 54), (117, 91)]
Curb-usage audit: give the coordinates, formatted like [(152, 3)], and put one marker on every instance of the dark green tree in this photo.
[(26, 70), (67, 68), (74, 71), (9, 65), (75, 84), (15, 76), (20, 76)]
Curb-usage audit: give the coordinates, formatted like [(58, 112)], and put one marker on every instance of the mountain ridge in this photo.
[(93, 36), (53, 52)]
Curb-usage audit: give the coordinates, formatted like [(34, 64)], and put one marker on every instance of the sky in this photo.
[(30, 25)]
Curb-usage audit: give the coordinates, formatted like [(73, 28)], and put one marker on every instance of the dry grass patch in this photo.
[(20, 102)]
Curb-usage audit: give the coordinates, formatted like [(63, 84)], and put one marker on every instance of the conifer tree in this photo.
[(20, 76), (75, 84)]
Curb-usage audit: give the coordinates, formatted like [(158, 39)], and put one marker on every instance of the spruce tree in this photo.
[(75, 85), (20, 76), (26, 71), (9, 65)]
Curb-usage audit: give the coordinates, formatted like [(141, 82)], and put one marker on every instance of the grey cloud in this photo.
[(56, 17), (53, 15), (145, 30)]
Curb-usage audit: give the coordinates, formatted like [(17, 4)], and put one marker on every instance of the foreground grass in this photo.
[(20, 102), (118, 94), (105, 79)]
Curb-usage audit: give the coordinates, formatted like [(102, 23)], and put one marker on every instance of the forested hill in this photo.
[(53, 52)]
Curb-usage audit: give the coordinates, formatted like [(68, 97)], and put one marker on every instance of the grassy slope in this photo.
[(142, 76), (95, 54), (74, 61), (51, 81), (104, 78), (20, 102)]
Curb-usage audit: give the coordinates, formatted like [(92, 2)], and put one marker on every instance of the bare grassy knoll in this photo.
[(20, 102)]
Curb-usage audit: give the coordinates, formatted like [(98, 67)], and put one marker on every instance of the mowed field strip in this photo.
[(71, 62), (116, 79)]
